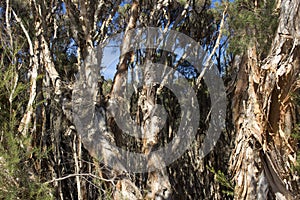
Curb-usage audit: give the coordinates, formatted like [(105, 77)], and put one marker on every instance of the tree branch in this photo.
[(206, 65), (83, 174), (27, 116)]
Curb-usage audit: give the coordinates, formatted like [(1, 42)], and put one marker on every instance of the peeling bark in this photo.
[(264, 155)]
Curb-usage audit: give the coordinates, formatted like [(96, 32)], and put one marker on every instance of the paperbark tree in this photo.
[(264, 114), (60, 38)]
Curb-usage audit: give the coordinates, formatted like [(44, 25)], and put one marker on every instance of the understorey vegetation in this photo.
[(44, 47)]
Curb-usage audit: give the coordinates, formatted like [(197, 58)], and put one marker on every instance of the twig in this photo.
[(76, 175), (27, 116), (77, 168), (8, 24), (206, 65), (25, 32), (166, 77)]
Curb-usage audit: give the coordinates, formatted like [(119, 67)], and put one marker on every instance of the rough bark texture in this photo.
[(58, 41), (264, 115)]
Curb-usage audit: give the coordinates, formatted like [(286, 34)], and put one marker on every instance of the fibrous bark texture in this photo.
[(264, 115)]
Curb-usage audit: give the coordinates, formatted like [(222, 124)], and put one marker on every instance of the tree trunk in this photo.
[(264, 115)]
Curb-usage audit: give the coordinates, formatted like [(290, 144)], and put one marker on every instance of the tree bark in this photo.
[(264, 118)]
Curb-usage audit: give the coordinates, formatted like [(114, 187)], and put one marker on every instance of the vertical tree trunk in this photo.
[(264, 117), (125, 188), (157, 181)]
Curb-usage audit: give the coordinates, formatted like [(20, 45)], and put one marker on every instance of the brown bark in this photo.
[(120, 78), (70, 168), (125, 188), (157, 181), (263, 114)]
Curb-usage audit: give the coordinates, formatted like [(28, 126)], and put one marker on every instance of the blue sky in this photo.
[(110, 60), (111, 56), (111, 53)]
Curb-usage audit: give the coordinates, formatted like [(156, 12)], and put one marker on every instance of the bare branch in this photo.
[(78, 175), (206, 65), (25, 32), (27, 116)]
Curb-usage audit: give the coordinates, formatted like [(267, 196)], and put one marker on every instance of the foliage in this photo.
[(16, 180), (106, 86), (223, 180), (296, 131), (61, 33), (249, 23)]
